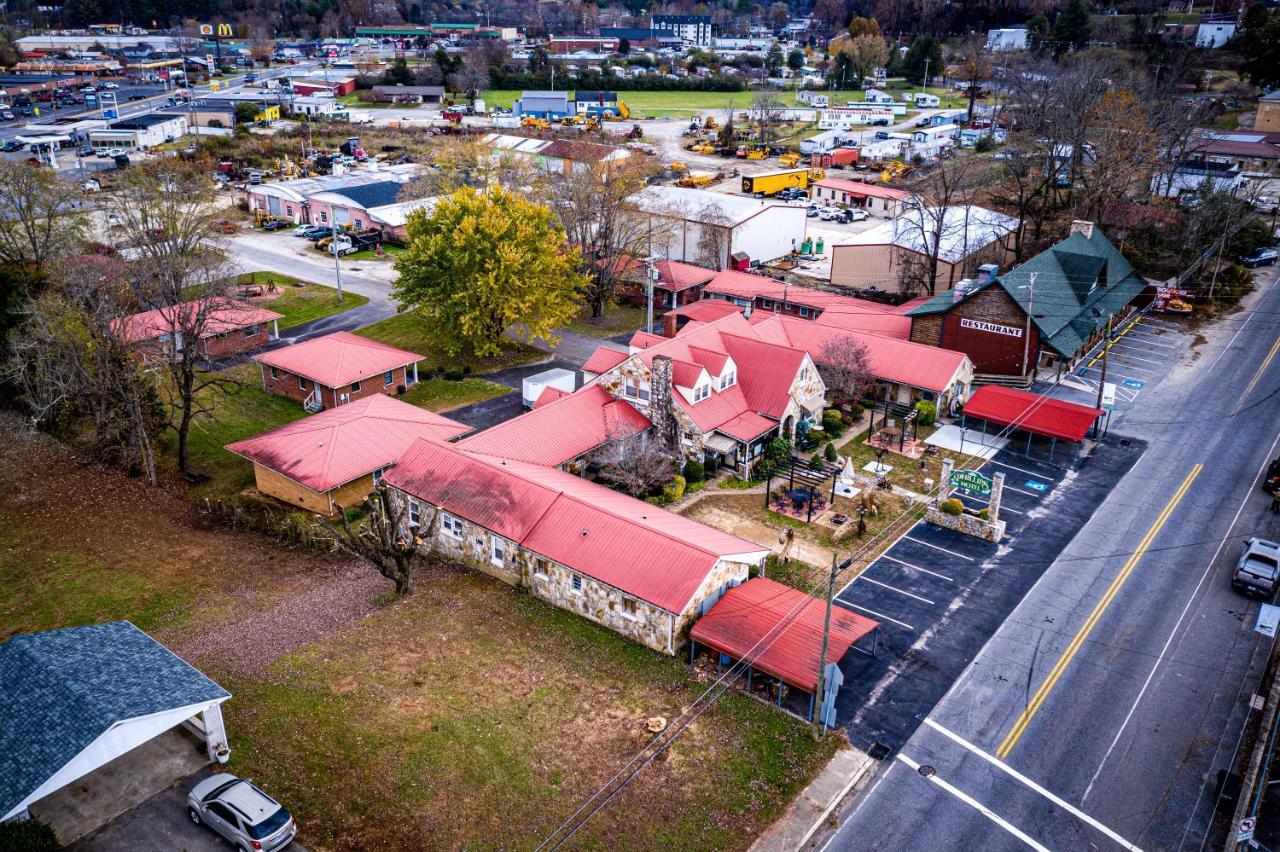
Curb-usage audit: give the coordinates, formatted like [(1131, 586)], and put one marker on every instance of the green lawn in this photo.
[(445, 395), (470, 715), (406, 331), (617, 319), (239, 413), (301, 301), (388, 253)]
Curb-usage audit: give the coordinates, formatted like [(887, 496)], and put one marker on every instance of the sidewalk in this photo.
[(848, 769)]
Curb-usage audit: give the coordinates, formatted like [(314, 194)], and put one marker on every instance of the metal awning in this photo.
[(720, 443)]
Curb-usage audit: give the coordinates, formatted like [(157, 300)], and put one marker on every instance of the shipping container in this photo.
[(770, 183), (840, 157)]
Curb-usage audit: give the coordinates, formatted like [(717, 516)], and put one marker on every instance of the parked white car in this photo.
[(826, 214)]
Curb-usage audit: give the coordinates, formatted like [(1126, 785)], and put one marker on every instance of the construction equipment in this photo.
[(533, 123), (591, 123), (453, 116), (789, 159), (893, 169), (696, 181), (703, 148), (710, 123)]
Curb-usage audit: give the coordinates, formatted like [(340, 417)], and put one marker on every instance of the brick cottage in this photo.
[(337, 369)]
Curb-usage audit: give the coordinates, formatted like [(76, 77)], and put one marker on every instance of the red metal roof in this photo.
[(1052, 418), (604, 359), (647, 552), (898, 361), (748, 285), (345, 443), (674, 276), (778, 630), (221, 316), (338, 359), (561, 430), (707, 310), (746, 427), (549, 394), (857, 187)]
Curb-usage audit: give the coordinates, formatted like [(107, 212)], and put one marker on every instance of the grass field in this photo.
[(685, 104), (617, 319), (407, 331), (445, 394), (468, 715), (301, 301)]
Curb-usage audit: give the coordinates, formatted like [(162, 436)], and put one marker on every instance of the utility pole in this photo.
[(1102, 383), (925, 84), (1026, 334), (650, 274), (337, 268), (819, 726)]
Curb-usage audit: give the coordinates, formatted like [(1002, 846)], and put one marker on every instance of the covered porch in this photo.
[(771, 635), (1034, 425)]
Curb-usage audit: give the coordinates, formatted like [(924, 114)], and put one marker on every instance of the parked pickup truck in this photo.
[(1258, 569)]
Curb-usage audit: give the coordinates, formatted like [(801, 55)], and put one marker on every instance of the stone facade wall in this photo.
[(966, 524), (724, 572), (687, 435), (284, 383)]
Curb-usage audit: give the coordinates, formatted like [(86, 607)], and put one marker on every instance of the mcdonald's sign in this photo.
[(224, 31)]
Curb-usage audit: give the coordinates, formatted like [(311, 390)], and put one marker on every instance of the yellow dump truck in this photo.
[(771, 183)]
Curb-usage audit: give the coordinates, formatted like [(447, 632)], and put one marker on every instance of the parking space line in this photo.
[(1008, 487), (1125, 345), (1019, 469), (1129, 366), (975, 804), (1114, 374), (879, 615), (895, 588), (916, 568), (1029, 784), (1149, 340), (935, 547)]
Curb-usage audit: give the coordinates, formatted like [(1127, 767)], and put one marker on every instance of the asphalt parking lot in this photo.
[(939, 595)]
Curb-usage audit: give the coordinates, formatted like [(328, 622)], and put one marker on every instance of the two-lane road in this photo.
[(1101, 711)]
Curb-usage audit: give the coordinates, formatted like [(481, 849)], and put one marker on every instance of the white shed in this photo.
[(708, 228), (77, 698)]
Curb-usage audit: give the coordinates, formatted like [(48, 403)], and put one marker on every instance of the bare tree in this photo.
[(930, 221), (72, 367), (39, 218), (845, 366), (386, 539), (600, 216), (766, 108), (714, 230), (166, 212), (637, 463), (464, 161)]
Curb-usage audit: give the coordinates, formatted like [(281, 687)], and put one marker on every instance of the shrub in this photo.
[(674, 489), (952, 507), (694, 471), (29, 835), (984, 144), (926, 413), (829, 452), (453, 375), (712, 465), (855, 413), (985, 514), (833, 423), (815, 461)]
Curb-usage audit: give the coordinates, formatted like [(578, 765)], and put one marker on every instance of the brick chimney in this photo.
[(660, 401), (1080, 226)]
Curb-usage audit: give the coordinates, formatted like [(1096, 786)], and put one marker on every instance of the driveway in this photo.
[(159, 824)]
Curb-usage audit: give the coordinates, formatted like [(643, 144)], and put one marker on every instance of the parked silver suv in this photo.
[(248, 818), (1258, 569)]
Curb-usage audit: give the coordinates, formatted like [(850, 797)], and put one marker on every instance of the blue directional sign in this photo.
[(111, 113), (1134, 383), (1037, 486)]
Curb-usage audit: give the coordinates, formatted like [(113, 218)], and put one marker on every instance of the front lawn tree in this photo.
[(845, 367), (480, 263), (387, 539)]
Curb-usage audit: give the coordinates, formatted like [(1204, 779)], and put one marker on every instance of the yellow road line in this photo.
[(1033, 706), (1266, 362)]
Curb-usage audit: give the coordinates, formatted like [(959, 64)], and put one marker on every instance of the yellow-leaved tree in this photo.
[(482, 262)]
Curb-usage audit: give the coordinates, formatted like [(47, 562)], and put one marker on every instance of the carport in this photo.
[(80, 698), (1037, 416), (776, 632)]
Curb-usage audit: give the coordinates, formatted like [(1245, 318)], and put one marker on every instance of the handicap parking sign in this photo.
[(1037, 486), (1134, 383)]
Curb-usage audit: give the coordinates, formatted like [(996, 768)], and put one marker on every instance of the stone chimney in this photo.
[(660, 402), (1080, 226)]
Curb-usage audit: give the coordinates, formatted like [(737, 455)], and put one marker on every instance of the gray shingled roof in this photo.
[(1080, 282), (372, 194), (62, 689)]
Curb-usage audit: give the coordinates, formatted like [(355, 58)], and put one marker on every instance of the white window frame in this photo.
[(701, 392), (415, 513), (447, 523), (498, 550), (355, 387), (377, 476), (630, 609), (575, 584), (388, 378), (728, 380), (636, 389), (541, 567)]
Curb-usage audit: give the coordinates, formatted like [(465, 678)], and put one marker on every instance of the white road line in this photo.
[(943, 549), (1160, 657), (977, 806), (1124, 345), (1148, 340), (1131, 366), (1008, 487), (1231, 341), (896, 589), (916, 567), (878, 615), (1113, 374), (1013, 773)]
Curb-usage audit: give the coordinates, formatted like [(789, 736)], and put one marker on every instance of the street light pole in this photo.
[(1026, 335), (819, 695), (1102, 383)]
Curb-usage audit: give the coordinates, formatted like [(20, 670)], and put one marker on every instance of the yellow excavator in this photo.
[(893, 169), (703, 148), (535, 123), (789, 159)]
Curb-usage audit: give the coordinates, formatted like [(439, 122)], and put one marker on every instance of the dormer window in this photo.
[(701, 392), (728, 380)]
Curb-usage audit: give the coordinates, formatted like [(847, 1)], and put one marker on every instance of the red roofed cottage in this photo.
[(225, 327), (335, 458), (337, 369), (637, 569)]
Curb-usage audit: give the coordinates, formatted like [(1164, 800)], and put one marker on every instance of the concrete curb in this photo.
[(802, 819)]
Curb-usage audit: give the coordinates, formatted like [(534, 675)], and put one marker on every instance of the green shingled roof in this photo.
[(1079, 283)]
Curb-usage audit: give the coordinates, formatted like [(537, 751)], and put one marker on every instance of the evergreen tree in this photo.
[(1071, 29)]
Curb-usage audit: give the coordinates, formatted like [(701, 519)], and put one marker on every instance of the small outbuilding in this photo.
[(77, 698)]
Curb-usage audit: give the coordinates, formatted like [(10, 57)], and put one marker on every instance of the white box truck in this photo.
[(562, 380)]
